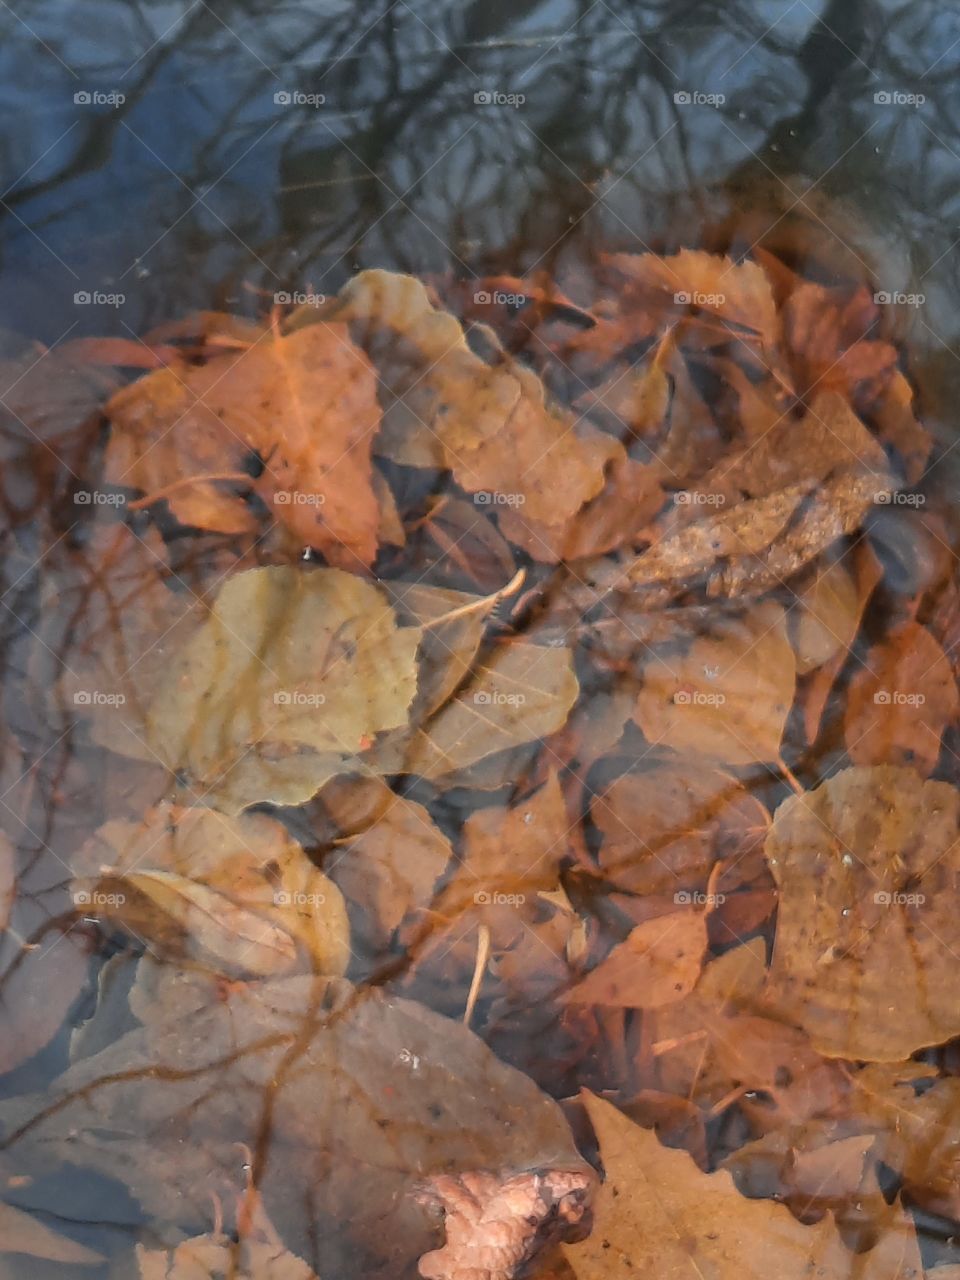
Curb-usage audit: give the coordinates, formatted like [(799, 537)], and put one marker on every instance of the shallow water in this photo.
[(165, 157)]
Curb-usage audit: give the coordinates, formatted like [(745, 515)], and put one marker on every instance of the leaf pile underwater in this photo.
[(503, 772)]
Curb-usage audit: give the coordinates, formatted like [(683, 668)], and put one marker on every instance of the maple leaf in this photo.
[(658, 1214)]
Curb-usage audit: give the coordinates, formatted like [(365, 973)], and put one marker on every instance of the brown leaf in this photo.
[(306, 404), (391, 868), (492, 1224), (664, 828), (827, 619), (657, 1214), (366, 1097), (901, 700), (881, 847), (445, 407), (8, 879), (658, 964), (234, 893), (727, 697)]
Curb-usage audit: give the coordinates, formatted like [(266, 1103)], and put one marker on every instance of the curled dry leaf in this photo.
[(292, 676), (658, 964), (234, 893), (901, 700), (879, 846), (366, 1097), (305, 405), (726, 697), (657, 1214), (493, 1225), (664, 828)]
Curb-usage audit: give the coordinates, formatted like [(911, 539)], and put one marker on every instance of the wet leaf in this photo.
[(664, 828), (880, 846), (8, 879), (827, 619), (38, 987), (901, 700), (658, 1214), (727, 696), (518, 694), (366, 1097), (241, 891), (489, 424), (304, 404), (658, 964), (389, 869), (293, 675)]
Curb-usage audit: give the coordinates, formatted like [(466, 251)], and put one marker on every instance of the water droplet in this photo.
[(847, 859)]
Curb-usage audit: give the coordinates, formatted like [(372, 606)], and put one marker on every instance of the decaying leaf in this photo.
[(235, 893), (879, 846), (827, 618), (657, 964), (8, 879), (519, 693), (489, 424), (664, 828), (367, 1098), (390, 868), (726, 697), (291, 677), (305, 405), (657, 1214), (492, 1225), (901, 700)]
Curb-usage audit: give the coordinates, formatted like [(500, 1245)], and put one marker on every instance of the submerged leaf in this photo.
[(868, 867), (22, 1233), (365, 1097), (657, 1214), (293, 675)]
